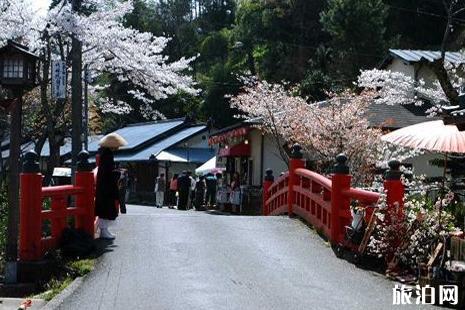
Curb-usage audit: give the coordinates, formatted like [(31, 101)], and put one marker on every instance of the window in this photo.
[(13, 68)]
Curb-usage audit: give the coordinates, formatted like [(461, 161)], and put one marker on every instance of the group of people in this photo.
[(186, 191)]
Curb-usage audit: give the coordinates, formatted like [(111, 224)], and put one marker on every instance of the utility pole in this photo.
[(86, 107), (76, 93)]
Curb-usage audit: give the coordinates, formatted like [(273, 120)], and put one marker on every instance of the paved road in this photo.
[(169, 259)]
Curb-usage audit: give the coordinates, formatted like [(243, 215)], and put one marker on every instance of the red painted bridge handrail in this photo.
[(279, 180), (63, 190), (33, 244), (318, 178), (323, 202), (362, 195)]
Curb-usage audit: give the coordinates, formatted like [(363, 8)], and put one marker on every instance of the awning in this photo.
[(209, 167), (167, 156), (187, 155), (238, 150)]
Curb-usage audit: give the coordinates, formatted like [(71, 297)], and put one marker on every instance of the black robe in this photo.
[(107, 192)]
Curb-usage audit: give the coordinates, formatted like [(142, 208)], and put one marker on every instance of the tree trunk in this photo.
[(53, 159), (441, 74)]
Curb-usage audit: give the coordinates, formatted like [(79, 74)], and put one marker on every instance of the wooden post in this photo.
[(30, 209), (339, 203), (76, 93), (268, 182), (296, 161), (394, 187), (13, 185), (85, 202)]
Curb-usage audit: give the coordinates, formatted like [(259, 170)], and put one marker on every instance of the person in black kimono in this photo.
[(107, 193), (199, 194), (184, 184)]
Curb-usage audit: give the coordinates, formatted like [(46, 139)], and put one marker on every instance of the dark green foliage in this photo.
[(318, 45), (315, 85), (214, 48), (416, 23), (357, 29), (218, 83)]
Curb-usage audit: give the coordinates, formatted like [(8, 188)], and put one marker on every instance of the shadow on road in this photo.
[(102, 246), (217, 212)]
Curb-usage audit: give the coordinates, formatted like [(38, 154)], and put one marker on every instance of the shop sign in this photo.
[(238, 132)]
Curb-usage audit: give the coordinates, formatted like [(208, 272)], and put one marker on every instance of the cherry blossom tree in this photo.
[(108, 48), (324, 129), (398, 88)]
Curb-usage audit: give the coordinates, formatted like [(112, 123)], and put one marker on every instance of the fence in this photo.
[(42, 224), (324, 202)]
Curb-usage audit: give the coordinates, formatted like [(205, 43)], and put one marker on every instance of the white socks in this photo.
[(104, 232)]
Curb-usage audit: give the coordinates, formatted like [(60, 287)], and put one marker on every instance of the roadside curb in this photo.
[(59, 299)]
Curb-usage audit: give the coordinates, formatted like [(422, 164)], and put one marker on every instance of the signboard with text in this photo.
[(59, 79)]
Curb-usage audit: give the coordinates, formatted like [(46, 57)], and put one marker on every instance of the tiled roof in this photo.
[(138, 134), (393, 116), (419, 55), (156, 148)]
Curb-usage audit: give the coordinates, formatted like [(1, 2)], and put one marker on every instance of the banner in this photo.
[(59, 79)]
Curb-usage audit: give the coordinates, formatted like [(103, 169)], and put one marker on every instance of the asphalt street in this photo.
[(169, 259)]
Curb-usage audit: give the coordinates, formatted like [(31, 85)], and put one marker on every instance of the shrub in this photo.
[(410, 237)]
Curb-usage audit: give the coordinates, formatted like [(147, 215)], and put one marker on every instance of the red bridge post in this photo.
[(340, 204), (85, 201), (267, 183), (30, 225), (394, 187), (296, 161)]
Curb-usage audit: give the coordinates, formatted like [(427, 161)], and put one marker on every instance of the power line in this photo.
[(418, 11)]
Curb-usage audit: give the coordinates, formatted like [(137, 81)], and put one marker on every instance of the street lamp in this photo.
[(18, 67), (18, 73)]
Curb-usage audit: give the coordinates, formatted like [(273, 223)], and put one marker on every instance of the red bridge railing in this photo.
[(323, 202), (41, 228)]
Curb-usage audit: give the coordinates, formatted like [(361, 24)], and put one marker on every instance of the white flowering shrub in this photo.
[(410, 236)]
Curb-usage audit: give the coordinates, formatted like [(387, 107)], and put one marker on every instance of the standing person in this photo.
[(219, 180), (199, 193), (191, 190), (107, 193), (236, 182), (123, 188), (160, 188), (173, 191), (184, 184), (211, 182), (106, 188)]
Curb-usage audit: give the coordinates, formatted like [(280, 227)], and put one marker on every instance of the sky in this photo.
[(41, 5)]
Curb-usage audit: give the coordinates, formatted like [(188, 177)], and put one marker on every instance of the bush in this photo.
[(411, 237)]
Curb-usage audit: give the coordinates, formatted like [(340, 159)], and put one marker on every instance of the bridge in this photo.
[(169, 259)]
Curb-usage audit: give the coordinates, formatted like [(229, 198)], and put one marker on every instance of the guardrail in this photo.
[(324, 202), (46, 211)]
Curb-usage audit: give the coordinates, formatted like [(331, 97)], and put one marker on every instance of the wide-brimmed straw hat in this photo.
[(112, 141)]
